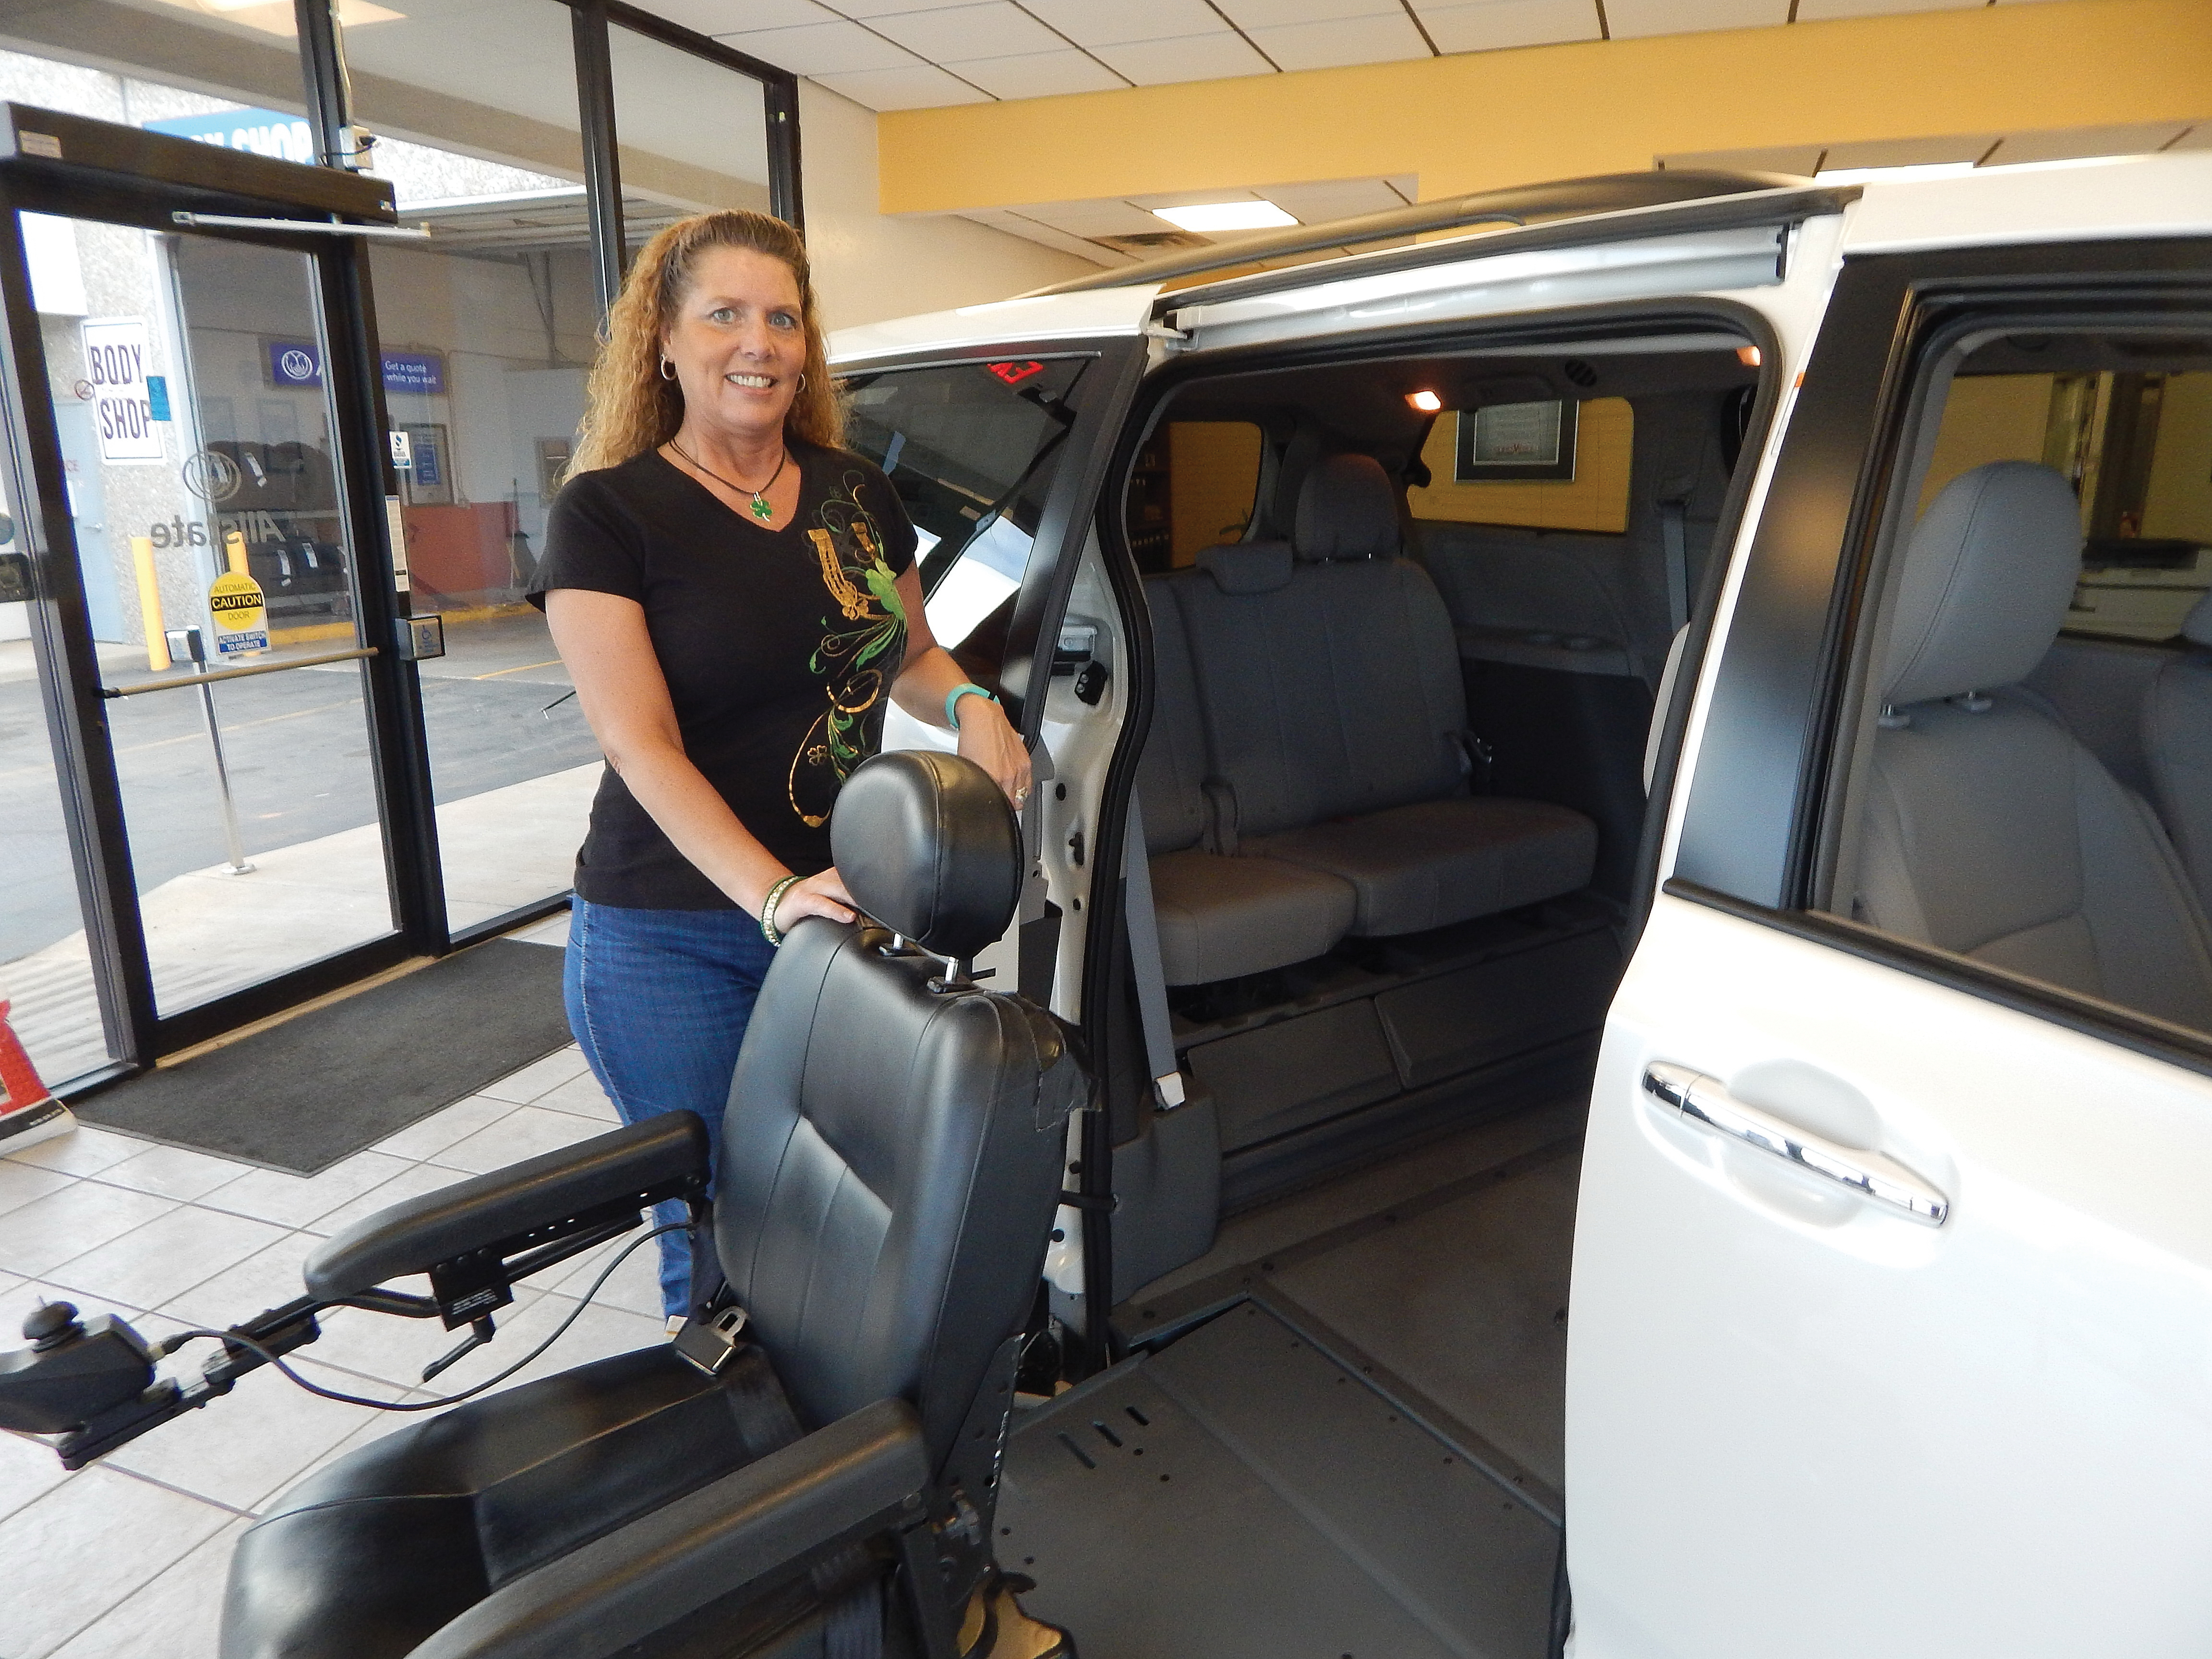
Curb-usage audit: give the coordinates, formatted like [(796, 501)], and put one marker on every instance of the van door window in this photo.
[(1193, 487), (2035, 801), (972, 449), (2133, 443)]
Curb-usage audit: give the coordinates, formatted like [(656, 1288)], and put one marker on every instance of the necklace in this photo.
[(759, 506)]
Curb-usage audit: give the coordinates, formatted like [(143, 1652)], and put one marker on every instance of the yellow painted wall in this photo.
[(2179, 502), (1213, 472), (1595, 498), (1479, 120), (1988, 417)]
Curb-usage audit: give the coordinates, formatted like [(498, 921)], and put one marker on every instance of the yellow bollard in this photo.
[(234, 548), (150, 602)]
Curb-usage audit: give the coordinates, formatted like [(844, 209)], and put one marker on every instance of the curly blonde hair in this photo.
[(628, 407)]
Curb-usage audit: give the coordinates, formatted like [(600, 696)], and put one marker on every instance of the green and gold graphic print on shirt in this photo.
[(862, 649)]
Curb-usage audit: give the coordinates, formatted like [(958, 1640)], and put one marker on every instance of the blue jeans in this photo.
[(659, 1000)]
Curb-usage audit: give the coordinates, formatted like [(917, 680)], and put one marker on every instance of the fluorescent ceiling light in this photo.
[(1253, 215), (1891, 175)]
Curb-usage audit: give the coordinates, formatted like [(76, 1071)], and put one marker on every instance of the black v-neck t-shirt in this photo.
[(779, 647)]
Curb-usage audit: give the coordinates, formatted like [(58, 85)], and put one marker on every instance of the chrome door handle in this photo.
[(1703, 1102)]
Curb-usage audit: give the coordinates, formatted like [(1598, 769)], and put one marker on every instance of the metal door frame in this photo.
[(123, 175)]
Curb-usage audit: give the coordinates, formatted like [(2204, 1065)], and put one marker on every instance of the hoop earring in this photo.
[(802, 379), (667, 369)]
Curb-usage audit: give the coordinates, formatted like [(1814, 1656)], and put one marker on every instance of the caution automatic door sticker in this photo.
[(241, 615)]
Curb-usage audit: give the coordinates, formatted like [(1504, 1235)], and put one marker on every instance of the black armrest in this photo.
[(664, 1157), (860, 1475)]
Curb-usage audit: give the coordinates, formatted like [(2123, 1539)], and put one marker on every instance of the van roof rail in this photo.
[(1568, 199)]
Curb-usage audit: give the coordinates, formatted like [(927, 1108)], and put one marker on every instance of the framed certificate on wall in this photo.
[(1515, 442)]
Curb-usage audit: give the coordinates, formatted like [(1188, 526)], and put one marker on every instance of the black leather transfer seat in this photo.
[(1306, 775), (890, 1165)]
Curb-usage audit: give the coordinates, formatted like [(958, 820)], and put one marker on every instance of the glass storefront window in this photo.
[(693, 135)]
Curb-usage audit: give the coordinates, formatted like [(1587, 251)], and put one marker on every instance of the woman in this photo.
[(735, 596)]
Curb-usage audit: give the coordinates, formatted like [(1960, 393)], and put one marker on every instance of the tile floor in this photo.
[(126, 1559)]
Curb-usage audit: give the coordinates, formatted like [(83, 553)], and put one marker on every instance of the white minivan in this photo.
[(1626, 811)]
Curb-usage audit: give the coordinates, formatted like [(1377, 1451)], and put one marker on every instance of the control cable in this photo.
[(173, 1343)]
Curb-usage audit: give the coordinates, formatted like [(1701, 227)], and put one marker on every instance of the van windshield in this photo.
[(972, 449)]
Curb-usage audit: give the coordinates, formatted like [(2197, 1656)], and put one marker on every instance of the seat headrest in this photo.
[(2196, 626), (927, 846), (1248, 567), (1987, 578), (1347, 510)]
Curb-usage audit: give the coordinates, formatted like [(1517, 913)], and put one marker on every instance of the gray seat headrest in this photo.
[(928, 845), (1987, 578), (2196, 626), (1347, 510), (1248, 567)]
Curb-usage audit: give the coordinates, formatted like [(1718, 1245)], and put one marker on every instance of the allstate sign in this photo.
[(300, 363)]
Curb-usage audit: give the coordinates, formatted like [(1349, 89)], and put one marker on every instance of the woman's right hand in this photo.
[(822, 895)]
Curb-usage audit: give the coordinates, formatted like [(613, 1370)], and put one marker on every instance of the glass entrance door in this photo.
[(207, 749)]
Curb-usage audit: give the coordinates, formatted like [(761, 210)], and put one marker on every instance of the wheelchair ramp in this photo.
[(1240, 1494)]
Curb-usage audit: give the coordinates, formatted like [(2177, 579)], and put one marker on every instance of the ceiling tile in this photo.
[(1272, 14), (821, 49), (995, 29), (1038, 74), (730, 16), (919, 86), (1378, 40), (1815, 11), (1089, 23), (1176, 198), (2066, 146), (1490, 25), (1338, 198), (1213, 57), (1800, 159), (1627, 18), (1106, 217), (1015, 225), (868, 10), (1909, 152)]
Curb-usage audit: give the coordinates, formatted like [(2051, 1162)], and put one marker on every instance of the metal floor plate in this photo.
[(1241, 1495)]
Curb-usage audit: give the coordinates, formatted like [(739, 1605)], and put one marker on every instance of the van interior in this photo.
[(1409, 618)]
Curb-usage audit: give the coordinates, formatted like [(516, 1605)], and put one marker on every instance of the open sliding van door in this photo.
[(1892, 1317), (995, 424)]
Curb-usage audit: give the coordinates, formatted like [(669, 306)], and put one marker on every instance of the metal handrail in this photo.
[(247, 672)]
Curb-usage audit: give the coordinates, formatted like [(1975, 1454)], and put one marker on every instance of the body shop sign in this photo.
[(115, 364)]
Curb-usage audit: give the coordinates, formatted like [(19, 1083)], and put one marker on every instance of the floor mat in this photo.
[(300, 1095), (1242, 1495)]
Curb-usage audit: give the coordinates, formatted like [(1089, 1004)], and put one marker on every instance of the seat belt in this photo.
[(1144, 962), (1672, 509)]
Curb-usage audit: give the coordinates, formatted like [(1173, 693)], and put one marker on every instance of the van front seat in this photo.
[(2177, 740), (1989, 830), (890, 1165)]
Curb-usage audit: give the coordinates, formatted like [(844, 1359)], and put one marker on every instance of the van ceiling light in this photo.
[(1253, 215), (1428, 402), (1748, 355), (1892, 175)]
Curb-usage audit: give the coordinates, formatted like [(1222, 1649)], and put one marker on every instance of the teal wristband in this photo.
[(965, 689)]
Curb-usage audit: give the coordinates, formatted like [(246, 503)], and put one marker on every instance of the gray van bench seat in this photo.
[(1305, 775), (1219, 917), (1439, 861)]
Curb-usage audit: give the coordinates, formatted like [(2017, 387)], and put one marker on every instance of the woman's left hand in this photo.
[(988, 739)]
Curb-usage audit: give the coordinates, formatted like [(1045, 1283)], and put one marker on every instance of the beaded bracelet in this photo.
[(767, 909)]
